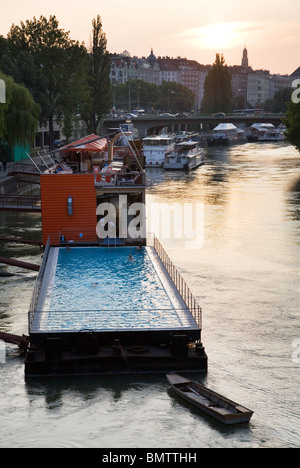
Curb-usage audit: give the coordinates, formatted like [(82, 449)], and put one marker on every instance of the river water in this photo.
[(246, 277)]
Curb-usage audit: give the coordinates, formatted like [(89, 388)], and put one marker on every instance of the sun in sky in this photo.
[(221, 35), (217, 35)]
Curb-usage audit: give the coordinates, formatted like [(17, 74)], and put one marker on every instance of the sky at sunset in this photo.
[(195, 29)]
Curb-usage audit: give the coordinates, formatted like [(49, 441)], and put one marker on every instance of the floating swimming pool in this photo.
[(107, 289)]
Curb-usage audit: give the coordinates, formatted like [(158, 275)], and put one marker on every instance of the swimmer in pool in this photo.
[(130, 257)]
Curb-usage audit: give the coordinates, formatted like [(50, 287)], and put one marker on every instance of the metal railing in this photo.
[(68, 236), (111, 320), (179, 282), (119, 179), (26, 168), (37, 286), (20, 202)]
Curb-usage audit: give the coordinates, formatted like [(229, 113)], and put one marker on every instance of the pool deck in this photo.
[(97, 320)]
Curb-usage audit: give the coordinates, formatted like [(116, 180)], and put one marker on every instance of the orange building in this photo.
[(69, 206)]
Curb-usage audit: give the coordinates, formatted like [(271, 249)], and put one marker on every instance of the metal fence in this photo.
[(120, 179), (179, 282), (79, 236), (20, 202), (26, 168), (37, 287), (110, 320)]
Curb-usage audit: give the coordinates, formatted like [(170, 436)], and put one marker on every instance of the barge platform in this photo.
[(157, 329)]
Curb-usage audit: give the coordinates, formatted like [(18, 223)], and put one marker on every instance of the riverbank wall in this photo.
[(18, 184)]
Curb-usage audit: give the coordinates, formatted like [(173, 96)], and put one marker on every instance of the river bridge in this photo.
[(154, 124)]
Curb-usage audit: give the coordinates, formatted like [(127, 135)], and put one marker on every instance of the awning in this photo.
[(90, 144), (225, 126), (263, 126)]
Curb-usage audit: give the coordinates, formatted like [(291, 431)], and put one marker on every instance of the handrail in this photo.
[(70, 236), (120, 178), (37, 286), (179, 283), (20, 200), (110, 319)]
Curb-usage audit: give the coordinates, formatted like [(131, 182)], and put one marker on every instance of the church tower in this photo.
[(152, 59), (245, 63)]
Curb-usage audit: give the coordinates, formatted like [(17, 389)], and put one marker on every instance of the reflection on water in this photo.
[(293, 200), (246, 278)]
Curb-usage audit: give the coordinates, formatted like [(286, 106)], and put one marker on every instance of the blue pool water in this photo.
[(103, 288)]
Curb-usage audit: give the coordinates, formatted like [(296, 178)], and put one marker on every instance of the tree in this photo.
[(52, 66), (217, 88), (18, 115), (292, 121), (280, 101), (99, 101), (169, 96), (176, 98), (137, 93)]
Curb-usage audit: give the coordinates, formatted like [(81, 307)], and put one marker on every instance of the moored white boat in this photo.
[(156, 148), (226, 134), (265, 132), (186, 156)]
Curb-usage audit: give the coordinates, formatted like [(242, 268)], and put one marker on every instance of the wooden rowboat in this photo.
[(217, 406)]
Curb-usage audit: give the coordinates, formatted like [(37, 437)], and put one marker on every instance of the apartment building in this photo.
[(154, 70), (257, 86)]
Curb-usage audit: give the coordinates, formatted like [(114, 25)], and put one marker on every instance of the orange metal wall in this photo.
[(55, 191)]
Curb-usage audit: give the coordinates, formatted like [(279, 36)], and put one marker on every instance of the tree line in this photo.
[(63, 78), (169, 97)]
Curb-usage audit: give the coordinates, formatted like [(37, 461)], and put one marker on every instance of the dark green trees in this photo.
[(42, 56), (176, 98), (168, 97), (99, 95), (217, 88), (62, 76), (18, 114)]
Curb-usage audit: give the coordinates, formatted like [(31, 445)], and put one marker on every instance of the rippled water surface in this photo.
[(246, 277)]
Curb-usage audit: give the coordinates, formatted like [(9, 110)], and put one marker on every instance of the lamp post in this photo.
[(129, 97), (139, 97), (114, 96), (169, 93)]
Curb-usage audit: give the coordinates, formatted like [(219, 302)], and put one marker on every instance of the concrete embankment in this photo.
[(17, 184), (8, 185)]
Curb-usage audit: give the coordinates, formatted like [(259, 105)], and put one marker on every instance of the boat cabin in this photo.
[(156, 148)]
